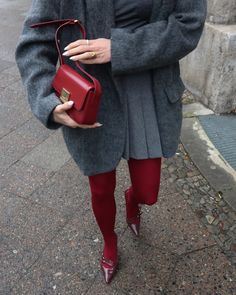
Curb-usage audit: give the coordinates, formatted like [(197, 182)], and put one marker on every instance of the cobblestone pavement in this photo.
[(49, 240), (206, 203)]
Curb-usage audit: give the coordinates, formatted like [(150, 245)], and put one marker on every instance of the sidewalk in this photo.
[(49, 240), (210, 139)]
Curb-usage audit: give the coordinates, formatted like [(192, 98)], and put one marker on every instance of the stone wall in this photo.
[(222, 11), (209, 72)]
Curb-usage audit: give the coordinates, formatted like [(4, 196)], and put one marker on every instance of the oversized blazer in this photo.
[(174, 31)]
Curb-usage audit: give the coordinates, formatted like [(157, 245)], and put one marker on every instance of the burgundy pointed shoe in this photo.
[(133, 222), (108, 268)]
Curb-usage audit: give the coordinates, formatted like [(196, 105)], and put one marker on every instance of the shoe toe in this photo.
[(108, 269), (134, 228)]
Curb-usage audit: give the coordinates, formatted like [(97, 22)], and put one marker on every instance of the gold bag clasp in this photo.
[(64, 97)]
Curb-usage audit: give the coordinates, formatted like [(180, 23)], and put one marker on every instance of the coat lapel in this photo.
[(100, 17)]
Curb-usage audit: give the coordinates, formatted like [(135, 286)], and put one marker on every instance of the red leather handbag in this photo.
[(85, 90)]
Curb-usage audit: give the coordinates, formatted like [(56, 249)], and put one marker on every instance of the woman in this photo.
[(133, 48)]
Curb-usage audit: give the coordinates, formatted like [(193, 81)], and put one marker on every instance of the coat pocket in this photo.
[(174, 89)]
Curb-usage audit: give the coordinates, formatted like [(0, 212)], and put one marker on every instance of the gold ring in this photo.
[(93, 54)]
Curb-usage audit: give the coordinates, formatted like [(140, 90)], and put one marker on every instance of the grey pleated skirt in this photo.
[(142, 133)]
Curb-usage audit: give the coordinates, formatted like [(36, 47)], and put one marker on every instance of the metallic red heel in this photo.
[(109, 268), (133, 222)]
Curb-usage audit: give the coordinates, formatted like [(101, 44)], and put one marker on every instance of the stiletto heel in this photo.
[(133, 222), (108, 268)]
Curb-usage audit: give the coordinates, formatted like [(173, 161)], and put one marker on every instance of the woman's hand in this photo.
[(60, 116), (83, 50)]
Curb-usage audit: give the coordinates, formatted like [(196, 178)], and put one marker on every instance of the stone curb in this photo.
[(220, 175)]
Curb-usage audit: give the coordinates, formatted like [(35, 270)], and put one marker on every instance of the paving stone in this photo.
[(7, 123), (13, 94), (51, 154), (150, 268), (11, 267), (12, 116), (68, 265), (22, 179), (67, 190), (14, 108), (203, 272), (102, 289), (4, 130), (26, 229), (232, 215), (202, 197), (7, 7), (5, 162), (10, 206), (210, 219), (20, 141), (7, 48), (5, 64), (30, 228), (13, 100), (33, 129), (170, 224), (14, 71), (8, 77)]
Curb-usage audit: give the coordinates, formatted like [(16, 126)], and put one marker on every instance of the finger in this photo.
[(72, 45), (76, 50), (83, 56), (95, 125), (71, 122), (66, 106), (77, 43), (67, 120)]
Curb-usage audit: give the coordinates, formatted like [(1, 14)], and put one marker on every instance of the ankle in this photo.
[(132, 206), (110, 248)]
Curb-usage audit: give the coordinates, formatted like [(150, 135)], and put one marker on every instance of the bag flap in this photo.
[(74, 84)]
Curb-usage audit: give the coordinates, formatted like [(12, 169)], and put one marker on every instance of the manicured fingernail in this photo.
[(67, 47), (65, 53), (70, 102), (99, 124), (72, 58)]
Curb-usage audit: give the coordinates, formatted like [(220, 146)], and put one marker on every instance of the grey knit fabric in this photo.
[(173, 32)]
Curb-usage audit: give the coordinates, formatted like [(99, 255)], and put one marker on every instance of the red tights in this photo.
[(145, 179)]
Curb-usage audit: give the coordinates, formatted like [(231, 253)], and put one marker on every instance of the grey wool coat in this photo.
[(174, 31)]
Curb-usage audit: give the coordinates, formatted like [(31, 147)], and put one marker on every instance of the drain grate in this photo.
[(221, 130)]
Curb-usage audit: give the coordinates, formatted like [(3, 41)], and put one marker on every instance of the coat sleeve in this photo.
[(159, 43), (36, 58)]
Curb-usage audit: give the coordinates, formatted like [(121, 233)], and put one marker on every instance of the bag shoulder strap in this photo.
[(61, 24)]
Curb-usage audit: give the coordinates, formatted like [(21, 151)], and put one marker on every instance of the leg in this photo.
[(145, 177), (102, 188)]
